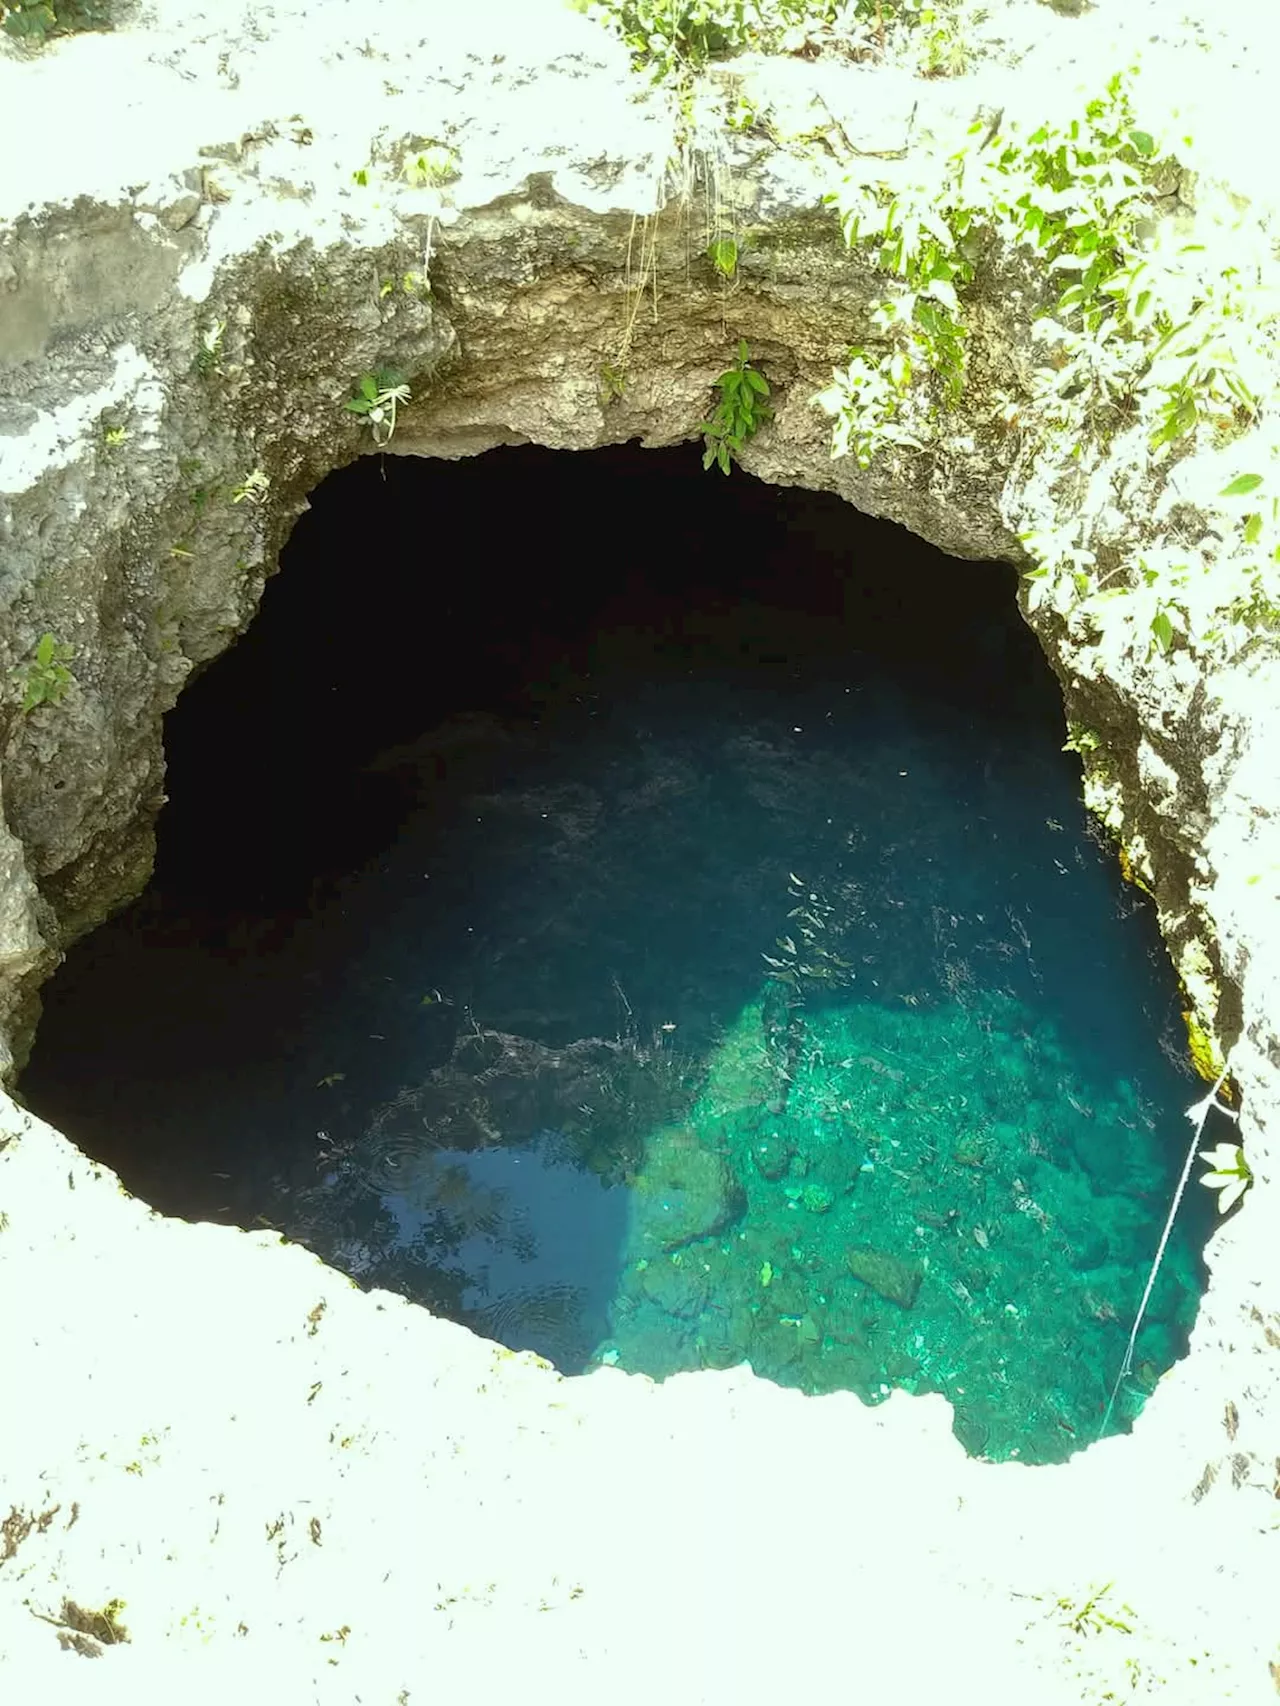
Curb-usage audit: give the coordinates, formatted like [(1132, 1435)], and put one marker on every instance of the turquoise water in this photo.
[(723, 971)]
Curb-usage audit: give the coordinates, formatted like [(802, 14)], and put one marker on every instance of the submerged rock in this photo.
[(677, 1287), (817, 1198), (684, 1191), (772, 1156), (891, 1276)]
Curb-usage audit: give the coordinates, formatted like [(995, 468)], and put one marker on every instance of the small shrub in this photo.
[(437, 164), (210, 352), (46, 678), (674, 37), (377, 398), (1168, 342)]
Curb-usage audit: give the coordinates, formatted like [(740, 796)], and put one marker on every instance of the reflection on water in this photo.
[(536, 1236)]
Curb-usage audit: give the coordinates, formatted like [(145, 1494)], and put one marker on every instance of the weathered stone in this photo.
[(683, 1192), (772, 1155), (895, 1279), (676, 1284)]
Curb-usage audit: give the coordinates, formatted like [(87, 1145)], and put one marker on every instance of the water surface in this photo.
[(718, 967)]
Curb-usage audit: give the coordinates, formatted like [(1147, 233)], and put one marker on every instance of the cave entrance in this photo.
[(650, 918)]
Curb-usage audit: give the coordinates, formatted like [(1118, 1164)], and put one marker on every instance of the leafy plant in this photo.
[(613, 382), (437, 164), (1136, 336), (722, 252), (742, 410), (408, 282), (35, 20), (253, 488), (1073, 196), (943, 51), (1089, 1617), (378, 396), (46, 678), (209, 353), (676, 36), (1081, 739), (1230, 1174), (673, 38)]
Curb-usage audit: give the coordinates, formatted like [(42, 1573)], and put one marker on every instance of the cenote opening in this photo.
[(649, 918)]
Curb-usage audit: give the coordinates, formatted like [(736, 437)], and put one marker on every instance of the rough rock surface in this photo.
[(285, 1479), (683, 1192), (895, 1280)]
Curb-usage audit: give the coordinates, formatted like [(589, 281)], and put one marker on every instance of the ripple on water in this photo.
[(547, 1319)]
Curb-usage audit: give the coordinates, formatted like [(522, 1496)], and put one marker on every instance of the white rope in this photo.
[(1198, 1113)]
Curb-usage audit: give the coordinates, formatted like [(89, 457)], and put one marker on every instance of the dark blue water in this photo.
[(713, 965)]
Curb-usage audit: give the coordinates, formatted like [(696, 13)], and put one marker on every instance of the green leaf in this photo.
[(1162, 629), (1241, 486), (1252, 528), (1143, 142), (723, 255), (757, 382), (1243, 395), (1232, 1194)]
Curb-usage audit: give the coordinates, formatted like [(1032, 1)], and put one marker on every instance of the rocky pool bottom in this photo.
[(828, 1204)]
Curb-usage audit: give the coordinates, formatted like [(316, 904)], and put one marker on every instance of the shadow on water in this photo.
[(713, 964)]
